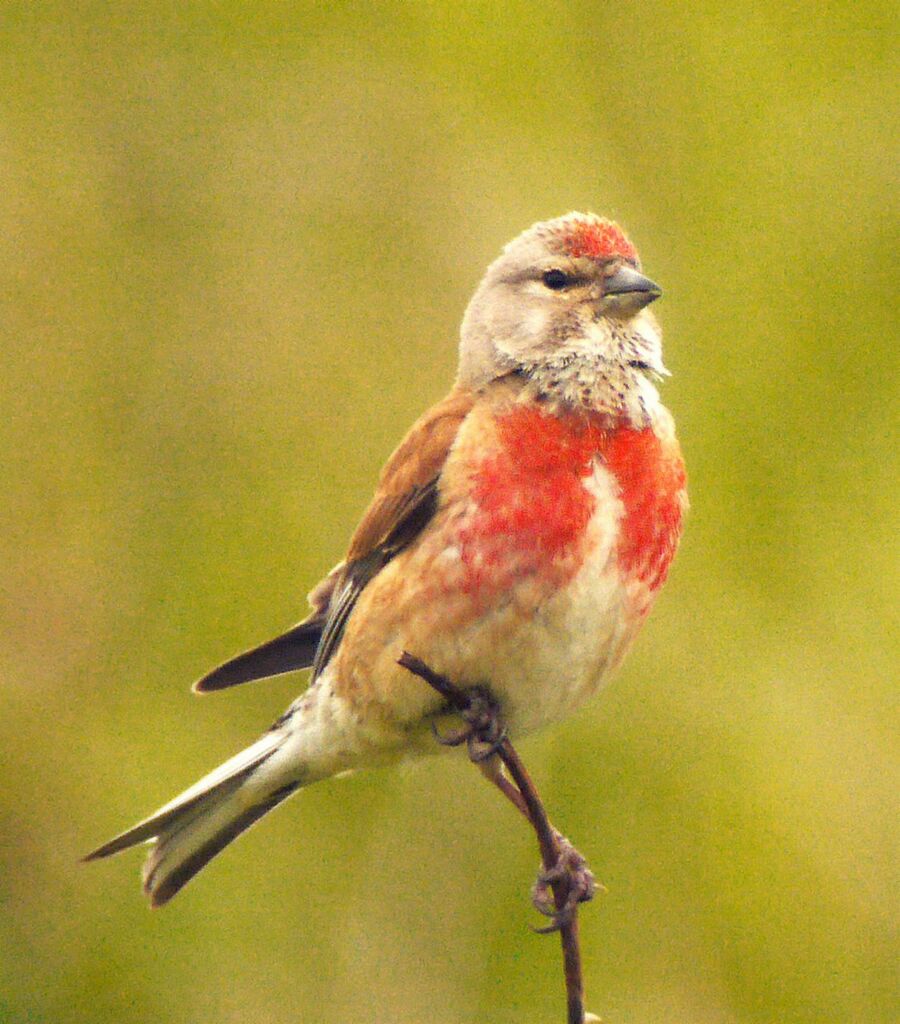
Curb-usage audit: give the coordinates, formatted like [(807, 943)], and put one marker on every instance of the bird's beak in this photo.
[(631, 289)]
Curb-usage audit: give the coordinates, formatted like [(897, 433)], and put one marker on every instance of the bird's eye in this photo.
[(556, 279)]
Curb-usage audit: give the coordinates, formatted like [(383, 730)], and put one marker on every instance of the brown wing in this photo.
[(417, 460), (404, 502)]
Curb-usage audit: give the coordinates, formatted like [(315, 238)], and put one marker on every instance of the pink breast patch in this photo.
[(532, 507), (651, 481)]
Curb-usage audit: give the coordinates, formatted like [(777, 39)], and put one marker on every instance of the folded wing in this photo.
[(405, 501)]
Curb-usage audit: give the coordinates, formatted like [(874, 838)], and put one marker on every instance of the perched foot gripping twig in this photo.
[(565, 873), (572, 868), (483, 733)]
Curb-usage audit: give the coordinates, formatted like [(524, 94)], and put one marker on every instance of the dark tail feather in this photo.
[(191, 829), (163, 880), (293, 650)]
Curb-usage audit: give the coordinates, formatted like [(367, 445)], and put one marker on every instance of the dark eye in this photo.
[(556, 279)]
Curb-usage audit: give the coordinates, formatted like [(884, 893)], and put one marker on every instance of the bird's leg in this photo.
[(572, 870), (565, 872), (565, 879), (568, 872), (484, 732)]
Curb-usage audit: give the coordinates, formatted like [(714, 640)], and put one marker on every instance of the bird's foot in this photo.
[(484, 732), (580, 886)]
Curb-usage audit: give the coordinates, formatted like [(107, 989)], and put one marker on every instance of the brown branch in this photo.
[(522, 793)]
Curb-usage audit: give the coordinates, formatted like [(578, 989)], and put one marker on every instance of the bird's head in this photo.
[(565, 305)]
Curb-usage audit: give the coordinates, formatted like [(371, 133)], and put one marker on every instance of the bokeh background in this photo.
[(236, 240)]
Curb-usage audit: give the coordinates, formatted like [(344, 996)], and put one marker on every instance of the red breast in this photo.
[(533, 503)]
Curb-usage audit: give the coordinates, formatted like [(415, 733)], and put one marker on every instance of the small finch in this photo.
[(516, 541)]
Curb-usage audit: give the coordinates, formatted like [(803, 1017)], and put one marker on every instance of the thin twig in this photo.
[(550, 853), (525, 797)]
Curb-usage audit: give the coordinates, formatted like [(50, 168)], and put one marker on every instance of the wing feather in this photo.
[(405, 500)]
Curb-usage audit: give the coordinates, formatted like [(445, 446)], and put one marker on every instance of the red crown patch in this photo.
[(596, 238)]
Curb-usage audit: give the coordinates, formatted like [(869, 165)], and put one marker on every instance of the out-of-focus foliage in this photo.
[(236, 240)]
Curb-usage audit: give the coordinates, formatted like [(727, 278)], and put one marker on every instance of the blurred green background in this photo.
[(236, 241)]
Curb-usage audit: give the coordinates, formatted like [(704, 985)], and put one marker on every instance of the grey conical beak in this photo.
[(631, 284)]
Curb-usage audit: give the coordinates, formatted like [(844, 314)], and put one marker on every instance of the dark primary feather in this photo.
[(314, 641), (293, 650), (161, 889)]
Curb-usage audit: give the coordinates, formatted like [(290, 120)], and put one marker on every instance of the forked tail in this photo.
[(191, 829)]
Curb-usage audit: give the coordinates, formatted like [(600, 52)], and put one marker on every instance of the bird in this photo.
[(516, 541)]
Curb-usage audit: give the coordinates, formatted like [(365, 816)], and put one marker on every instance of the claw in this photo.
[(560, 919), (451, 739), (483, 733), (542, 898), (572, 870), (484, 748)]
